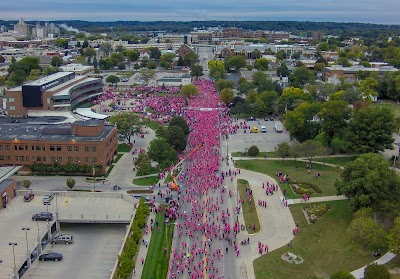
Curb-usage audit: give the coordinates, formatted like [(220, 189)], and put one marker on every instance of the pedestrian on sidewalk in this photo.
[(142, 261)]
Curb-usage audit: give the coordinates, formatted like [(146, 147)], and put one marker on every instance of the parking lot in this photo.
[(264, 141), (92, 255)]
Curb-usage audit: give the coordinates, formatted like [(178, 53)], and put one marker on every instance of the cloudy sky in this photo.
[(372, 11)]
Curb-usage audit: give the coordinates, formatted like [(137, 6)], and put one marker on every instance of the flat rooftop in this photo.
[(48, 132), (75, 68), (48, 79)]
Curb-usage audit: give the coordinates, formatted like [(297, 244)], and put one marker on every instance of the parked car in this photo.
[(63, 239), (28, 197), (251, 119), (51, 256), (138, 196), (42, 216), (263, 129), (47, 198)]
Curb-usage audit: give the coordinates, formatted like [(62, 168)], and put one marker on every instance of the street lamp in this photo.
[(26, 235), (56, 194), (13, 244)]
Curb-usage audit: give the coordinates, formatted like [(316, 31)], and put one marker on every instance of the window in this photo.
[(10, 100), (7, 147), (94, 149), (16, 158), (15, 147), (20, 147), (76, 148), (52, 159), (52, 148), (94, 159), (59, 159), (87, 149), (33, 158), (69, 148), (1, 157), (33, 148), (39, 158), (21, 158), (27, 158), (10, 107), (1, 147), (8, 158), (58, 148), (87, 159), (37, 147), (69, 159), (43, 147), (76, 159), (26, 147)]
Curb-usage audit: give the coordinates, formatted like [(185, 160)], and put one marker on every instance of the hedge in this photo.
[(125, 260)]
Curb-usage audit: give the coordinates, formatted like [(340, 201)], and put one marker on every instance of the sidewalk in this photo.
[(359, 273), (317, 199), (142, 249)]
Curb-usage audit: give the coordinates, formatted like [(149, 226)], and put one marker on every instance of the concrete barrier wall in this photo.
[(73, 194)]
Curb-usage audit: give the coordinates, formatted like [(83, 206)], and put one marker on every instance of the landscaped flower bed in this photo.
[(316, 211)]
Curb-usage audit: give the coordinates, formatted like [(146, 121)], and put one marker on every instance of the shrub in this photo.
[(341, 275), (375, 271), (253, 151)]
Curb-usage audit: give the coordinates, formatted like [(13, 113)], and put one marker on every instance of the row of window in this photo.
[(43, 159), (51, 147)]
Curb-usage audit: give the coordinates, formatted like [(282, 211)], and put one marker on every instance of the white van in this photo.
[(263, 129), (278, 126)]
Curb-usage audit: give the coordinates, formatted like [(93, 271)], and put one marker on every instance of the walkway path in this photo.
[(317, 199), (142, 248), (122, 173), (298, 159), (359, 273)]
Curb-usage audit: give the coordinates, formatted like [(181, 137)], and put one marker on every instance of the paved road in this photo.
[(205, 55)]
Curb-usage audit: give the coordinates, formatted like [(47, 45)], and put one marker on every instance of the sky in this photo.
[(369, 11)]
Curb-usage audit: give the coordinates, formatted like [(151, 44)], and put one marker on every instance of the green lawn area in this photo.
[(168, 178), (109, 170), (395, 263), (297, 172), (392, 105), (118, 157), (124, 148), (146, 181), (323, 246), (157, 260), (341, 161), (249, 211), (270, 154)]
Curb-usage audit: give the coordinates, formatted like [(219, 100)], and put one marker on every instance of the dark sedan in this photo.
[(51, 257), (42, 216)]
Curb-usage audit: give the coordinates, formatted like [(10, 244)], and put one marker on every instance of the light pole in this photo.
[(13, 244), (26, 236), (47, 205), (56, 194), (94, 178)]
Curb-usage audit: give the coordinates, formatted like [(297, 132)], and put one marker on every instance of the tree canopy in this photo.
[(127, 123)]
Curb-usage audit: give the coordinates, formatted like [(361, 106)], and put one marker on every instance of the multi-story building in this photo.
[(82, 142), (22, 28), (350, 72), (201, 37), (232, 32), (63, 89)]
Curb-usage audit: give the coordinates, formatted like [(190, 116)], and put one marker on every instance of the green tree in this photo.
[(370, 130), (365, 230), (161, 152), (62, 43), (394, 237), (291, 97), (191, 59), (334, 116), (112, 79), (70, 182), (105, 48), (167, 59), (281, 55), (85, 44), (18, 77), (2, 59), (189, 90), (375, 271), (310, 149), (341, 275), (180, 122), (128, 123), (26, 184), (147, 75), (49, 71), (256, 54), (116, 58), (300, 77), (132, 55), (245, 87), (270, 99), (34, 74), (235, 62), (105, 64), (253, 151), (196, 71), (369, 182), (151, 65), (90, 52), (217, 69), (283, 150), (226, 96), (283, 70), (56, 61), (119, 48), (261, 64), (176, 138), (155, 53)]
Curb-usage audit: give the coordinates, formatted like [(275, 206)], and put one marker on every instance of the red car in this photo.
[(28, 197)]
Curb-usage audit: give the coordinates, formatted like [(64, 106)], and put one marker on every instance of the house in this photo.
[(184, 50)]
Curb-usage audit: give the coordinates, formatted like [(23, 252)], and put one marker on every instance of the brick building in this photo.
[(82, 142), (8, 186)]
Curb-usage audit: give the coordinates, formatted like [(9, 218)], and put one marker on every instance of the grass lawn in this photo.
[(157, 260), (168, 178), (297, 172), (323, 246), (270, 154), (146, 181), (395, 263), (341, 161), (109, 170), (392, 105), (118, 157), (249, 211), (124, 148)]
